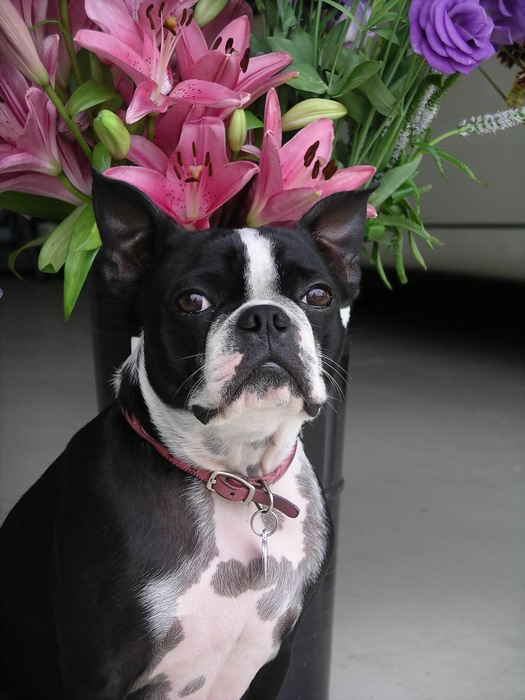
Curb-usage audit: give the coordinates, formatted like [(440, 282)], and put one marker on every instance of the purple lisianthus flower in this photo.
[(452, 35), (509, 21)]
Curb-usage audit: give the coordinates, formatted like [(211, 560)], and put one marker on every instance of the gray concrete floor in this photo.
[(431, 557)]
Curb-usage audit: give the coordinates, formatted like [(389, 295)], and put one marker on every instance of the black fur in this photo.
[(108, 514)]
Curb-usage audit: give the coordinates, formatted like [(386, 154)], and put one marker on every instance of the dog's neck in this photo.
[(252, 444)]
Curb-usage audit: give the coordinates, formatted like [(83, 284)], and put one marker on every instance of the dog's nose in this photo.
[(264, 318)]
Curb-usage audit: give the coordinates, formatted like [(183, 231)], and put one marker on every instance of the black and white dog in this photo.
[(171, 549)]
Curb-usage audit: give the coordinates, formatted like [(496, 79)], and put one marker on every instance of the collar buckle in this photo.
[(210, 484)]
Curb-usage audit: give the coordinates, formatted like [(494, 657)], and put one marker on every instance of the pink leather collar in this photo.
[(226, 484)]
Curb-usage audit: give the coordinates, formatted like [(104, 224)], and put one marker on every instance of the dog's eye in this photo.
[(319, 296), (192, 303)]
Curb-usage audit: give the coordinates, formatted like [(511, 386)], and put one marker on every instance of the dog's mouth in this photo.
[(260, 381)]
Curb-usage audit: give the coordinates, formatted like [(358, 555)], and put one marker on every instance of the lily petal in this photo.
[(37, 183), (285, 206), (113, 51), (143, 152), (113, 17), (346, 179)]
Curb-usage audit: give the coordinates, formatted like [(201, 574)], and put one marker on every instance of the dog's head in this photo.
[(238, 320)]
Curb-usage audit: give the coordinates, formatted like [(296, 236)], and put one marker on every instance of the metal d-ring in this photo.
[(264, 529)]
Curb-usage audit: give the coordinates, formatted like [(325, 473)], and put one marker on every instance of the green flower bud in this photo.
[(113, 134), (206, 10), (309, 111), (237, 130)]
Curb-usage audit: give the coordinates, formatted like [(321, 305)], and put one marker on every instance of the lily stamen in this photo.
[(310, 154), (245, 60), (330, 169)]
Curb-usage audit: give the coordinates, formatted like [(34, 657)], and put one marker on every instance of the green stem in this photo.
[(68, 38), (316, 27), (382, 126), (55, 99), (359, 140), (150, 126), (70, 187), (453, 132), (337, 55), (489, 79)]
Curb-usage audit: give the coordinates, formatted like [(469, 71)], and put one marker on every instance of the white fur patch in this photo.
[(262, 280), (345, 315)]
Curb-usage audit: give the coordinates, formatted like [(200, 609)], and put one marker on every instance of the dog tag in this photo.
[(264, 534), (264, 548)]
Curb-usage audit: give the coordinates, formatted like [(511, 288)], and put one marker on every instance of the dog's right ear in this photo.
[(130, 226)]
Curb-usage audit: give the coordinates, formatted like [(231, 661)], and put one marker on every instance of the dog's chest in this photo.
[(217, 619)]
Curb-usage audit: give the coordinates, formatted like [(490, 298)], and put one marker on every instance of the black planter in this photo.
[(112, 324)]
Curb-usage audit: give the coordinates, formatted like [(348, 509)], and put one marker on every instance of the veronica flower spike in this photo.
[(198, 177), (143, 52)]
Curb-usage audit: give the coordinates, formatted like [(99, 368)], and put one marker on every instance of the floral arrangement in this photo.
[(231, 114)]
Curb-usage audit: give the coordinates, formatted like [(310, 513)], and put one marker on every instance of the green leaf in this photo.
[(83, 247), (101, 158), (253, 122), (356, 77), (374, 232), (393, 179), (301, 49), (380, 96), (308, 79), (398, 257), (376, 260), (459, 164), (53, 254), (88, 95), (402, 223), (11, 260), (286, 14), (35, 205), (388, 34), (415, 250), (357, 105)]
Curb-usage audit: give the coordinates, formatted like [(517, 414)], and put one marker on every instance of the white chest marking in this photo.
[(230, 622)]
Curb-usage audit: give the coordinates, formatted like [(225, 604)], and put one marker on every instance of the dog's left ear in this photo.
[(131, 228), (338, 224)]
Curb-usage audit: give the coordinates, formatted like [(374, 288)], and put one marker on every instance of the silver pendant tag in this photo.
[(264, 534), (264, 549)]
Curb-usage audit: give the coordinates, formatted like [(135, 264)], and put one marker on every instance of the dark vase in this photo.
[(112, 325)]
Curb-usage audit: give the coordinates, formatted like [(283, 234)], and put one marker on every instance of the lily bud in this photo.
[(206, 10), (113, 134), (237, 130), (309, 111), (17, 46)]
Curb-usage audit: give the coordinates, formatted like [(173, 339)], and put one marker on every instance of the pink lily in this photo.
[(294, 176), (143, 52), (197, 179), (46, 34), (35, 147), (232, 10), (35, 183), (17, 46), (228, 61), (30, 146)]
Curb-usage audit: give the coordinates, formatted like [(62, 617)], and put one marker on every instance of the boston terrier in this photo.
[(171, 549)]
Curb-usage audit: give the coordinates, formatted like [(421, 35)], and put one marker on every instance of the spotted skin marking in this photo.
[(158, 688), (192, 687), (285, 624), (174, 637)]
